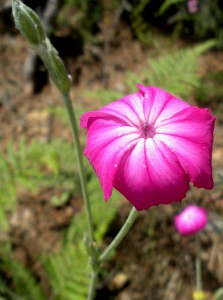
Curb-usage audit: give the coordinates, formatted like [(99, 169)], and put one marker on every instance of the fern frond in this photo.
[(175, 72), (7, 191), (102, 213), (69, 272), (26, 287), (33, 167)]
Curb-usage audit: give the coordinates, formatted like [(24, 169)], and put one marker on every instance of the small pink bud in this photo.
[(191, 220)]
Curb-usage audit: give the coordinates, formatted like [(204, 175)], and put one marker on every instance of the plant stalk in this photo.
[(74, 127), (120, 236), (198, 264), (92, 288)]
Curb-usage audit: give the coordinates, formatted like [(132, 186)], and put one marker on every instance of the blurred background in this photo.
[(107, 46)]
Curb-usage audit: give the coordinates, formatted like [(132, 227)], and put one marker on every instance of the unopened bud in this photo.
[(28, 23), (55, 66)]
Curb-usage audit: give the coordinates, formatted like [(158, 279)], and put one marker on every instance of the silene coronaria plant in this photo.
[(148, 145)]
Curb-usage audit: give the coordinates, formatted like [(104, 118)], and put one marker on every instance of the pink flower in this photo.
[(193, 6), (191, 220), (149, 145)]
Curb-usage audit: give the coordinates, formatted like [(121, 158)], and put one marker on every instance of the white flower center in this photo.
[(147, 130)]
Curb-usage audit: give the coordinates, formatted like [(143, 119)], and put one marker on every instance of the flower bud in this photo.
[(55, 66), (191, 220), (28, 23)]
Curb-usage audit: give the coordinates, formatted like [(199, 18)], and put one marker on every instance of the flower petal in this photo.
[(150, 175), (159, 104), (189, 135), (128, 109), (108, 140)]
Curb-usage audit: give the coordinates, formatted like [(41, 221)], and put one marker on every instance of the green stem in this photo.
[(119, 237), (198, 264), (92, 288), (74, 127), (29, 24)]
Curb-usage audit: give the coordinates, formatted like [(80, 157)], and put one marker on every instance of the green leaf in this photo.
[(60, 200), (218, 295), (166, 4)]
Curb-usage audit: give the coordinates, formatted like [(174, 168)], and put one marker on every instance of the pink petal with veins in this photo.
[(149, 145)]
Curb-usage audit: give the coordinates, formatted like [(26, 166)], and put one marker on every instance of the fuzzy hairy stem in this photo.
[(120, 236), (74, 127)]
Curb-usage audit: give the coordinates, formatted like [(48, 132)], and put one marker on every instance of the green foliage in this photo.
[(204, 24), (139, 24), (68, 271), (60, 200), (81, 16), (167, 4), (35, 166), (210, 92), (7, 191), (105, 96), (26, 287), (32, 167), (101, 221), (175, 71), (61, 113), (219, 294)]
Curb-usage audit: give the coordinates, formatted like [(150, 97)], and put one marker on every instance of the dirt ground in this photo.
[(135, 273)]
